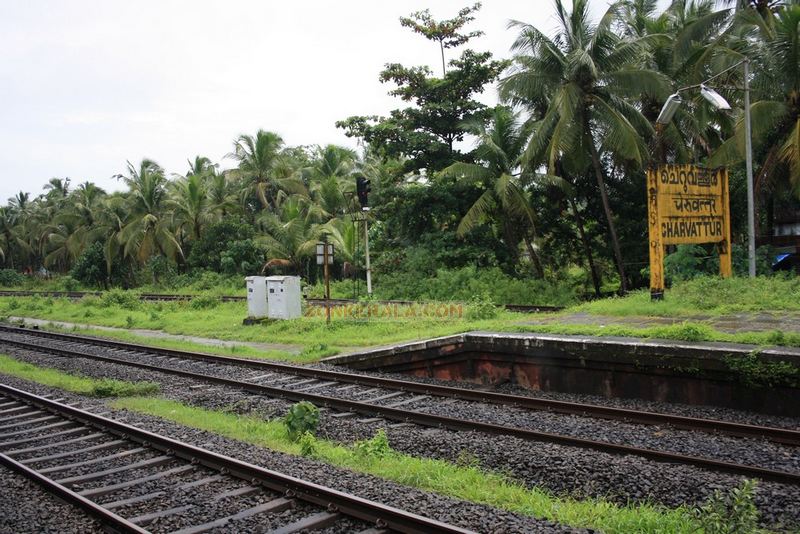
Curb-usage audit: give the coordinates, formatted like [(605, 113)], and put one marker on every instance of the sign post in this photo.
[(686, 204), (325, 258)]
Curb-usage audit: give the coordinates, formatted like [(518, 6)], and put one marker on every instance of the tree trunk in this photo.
[(537, 264), (612, 231), (444, 70), (586, 248)]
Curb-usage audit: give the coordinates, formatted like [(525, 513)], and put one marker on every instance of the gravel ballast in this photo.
[(467, 515), (560, 469)]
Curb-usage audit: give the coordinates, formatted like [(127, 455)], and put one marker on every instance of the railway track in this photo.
[(778, 435), (130, 479), (352, 394), (76, 295)]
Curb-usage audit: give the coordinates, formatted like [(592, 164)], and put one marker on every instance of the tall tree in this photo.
[(260, 167), (577, 84), (446, 33), (504, 201), (426, 132), (147, 230)]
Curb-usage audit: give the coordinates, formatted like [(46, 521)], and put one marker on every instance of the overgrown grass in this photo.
[(236, 351), (468, 482), (685, 331), (707, 295), (224, 321), (93, 387)]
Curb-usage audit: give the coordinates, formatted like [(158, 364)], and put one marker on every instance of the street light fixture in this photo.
[(715, 99), (670, 107)]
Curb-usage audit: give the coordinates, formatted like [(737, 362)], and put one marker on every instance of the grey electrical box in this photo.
[(283, 297), (257, 306)]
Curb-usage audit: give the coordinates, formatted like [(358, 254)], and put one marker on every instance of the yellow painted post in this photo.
[(725, 268), (654, 235)]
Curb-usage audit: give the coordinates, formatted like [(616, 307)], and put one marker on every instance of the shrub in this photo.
[(11, 278), (731, 513), (90, 267), (481, 307), (375, 447), (308, 445), (755, 373), (121, 298), (67, 283), (109, 387), (464, 283), (227, 247), (302, 417)]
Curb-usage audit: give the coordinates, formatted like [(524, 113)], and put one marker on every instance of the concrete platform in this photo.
[(721, 374)]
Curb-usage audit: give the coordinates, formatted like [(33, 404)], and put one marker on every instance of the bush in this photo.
[(121, 298), (90, 268), (302, 417), (732, 513), (227, 247), (375, 447), (11, 278), (308, 445), (481, 307), (464, 283)]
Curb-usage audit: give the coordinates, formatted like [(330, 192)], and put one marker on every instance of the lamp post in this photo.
[(715, 99)]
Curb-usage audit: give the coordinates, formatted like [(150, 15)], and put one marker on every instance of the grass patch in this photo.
[(468, 482), (224, 321), (685, 331), (93, 387), (706, 295)]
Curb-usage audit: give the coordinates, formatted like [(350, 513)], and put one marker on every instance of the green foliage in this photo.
[(11, 278), (301, 418), (755, 372), (93, 387), (425, 134), (463, 284), (730, 513), (108, 387), (465, 482), (69, 284), (227, 247), (126, 300), (308, 445), (481, 307), (241, 257), (374, 448), (204, 302)]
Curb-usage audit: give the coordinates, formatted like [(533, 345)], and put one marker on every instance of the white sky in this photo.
[(87, 85)]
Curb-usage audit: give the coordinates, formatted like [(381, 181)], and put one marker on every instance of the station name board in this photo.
[(687, 204)]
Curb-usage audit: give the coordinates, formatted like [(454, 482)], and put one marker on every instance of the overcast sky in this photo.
[(87, 85)]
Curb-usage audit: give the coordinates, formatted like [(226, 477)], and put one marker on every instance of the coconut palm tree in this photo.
[(190, 206), (330, 178), (290, 236), (147, 229), (504, 201), (261, 169), (578, 85)]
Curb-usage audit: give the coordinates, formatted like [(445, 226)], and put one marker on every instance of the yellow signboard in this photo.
[(686, 204)]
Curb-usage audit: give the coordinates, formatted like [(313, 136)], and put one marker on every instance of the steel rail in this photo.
[(333, 500), (438, 421), (778, 435), (106, 517)]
